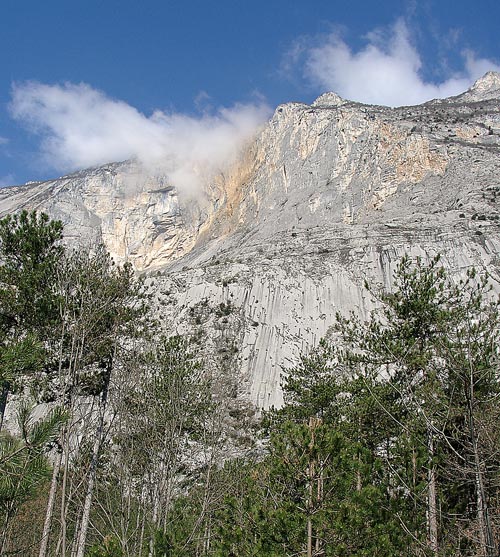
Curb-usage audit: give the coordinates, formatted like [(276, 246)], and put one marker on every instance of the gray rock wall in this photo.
[(327, 196)]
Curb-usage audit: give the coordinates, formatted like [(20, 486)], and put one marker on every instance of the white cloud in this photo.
[(386, 71), (3, 140), (82, 127)]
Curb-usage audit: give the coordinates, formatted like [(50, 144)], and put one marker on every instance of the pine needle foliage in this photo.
[(23, 461)]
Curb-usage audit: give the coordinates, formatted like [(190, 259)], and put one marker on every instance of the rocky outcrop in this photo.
[(327, 195), (140, 218)]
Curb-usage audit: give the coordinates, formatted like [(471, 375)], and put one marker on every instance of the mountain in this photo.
[(326, 196)]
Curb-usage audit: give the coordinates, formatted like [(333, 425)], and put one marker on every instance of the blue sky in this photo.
[(87, 81)]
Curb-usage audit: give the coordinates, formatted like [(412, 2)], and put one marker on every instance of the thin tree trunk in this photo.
[(57, 466), (64, 504), (82, 534), (156, 504), (483, 515), (50, 507), (65, 500), (3, 401), (319, 499), (3, 542), (67, 402), (309, 512), (143, 527), (207, 536), (125, 521), (313, 423), (74, 547), (432, 495), (358, 471)]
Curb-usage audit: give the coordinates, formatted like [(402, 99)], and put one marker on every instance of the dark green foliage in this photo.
[(265, 506), (23, 464), (18, 359), (30, 250), (397, 404), (178, 378), (110, 547), (101, 306), (434, 347), (163, 423), (387, 443), (224, 309)]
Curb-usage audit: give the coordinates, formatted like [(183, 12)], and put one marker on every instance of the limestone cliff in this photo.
[(326, 196)]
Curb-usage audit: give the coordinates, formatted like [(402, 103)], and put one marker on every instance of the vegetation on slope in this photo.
[(387, 443)]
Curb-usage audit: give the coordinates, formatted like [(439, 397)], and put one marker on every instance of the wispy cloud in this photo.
[(82, 127), (388, 70), (3, 140)]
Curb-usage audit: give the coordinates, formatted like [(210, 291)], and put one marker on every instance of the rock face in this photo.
[(140, 218), (327, 196)]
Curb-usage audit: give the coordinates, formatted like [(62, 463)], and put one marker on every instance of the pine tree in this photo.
[(23, 462), (30, 251), (434, 343)]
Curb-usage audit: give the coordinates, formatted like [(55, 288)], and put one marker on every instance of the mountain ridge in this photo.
[(326, 196)]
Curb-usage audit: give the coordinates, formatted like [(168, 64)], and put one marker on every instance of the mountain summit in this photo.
[(326, 196), (485, 88)]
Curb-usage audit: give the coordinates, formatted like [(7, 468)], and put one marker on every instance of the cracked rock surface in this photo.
[(327, 195)]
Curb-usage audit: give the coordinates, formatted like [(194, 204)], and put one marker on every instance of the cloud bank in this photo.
[(386, 71), (82, 127)]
